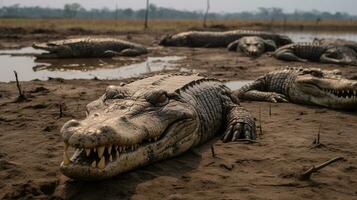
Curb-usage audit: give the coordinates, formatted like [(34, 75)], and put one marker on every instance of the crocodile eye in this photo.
[(113, 92), (158, 98)]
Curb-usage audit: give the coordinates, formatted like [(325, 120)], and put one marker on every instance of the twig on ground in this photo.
[(260, 121), (269, 109), (212, 151), (307, 174), (21, 96)]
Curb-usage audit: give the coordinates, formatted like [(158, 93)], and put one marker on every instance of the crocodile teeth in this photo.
[(132, 147), (101, 164), (110, 158), (66, 160), (87, 152), (100, 151), (94, 164), (109, 149)]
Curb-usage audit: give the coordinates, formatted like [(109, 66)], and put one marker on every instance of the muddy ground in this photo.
[(31, 147)]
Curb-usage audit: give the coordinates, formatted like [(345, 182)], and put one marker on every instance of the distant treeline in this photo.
[(75, 10)]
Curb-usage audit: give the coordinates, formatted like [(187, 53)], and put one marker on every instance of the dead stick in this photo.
[(212, 151), (318, 135), (21, 96), (269, 109), (307, 174), (61, 110), (260, 121)]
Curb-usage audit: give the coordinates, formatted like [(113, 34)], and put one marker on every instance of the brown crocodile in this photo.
[(316, 52), (252, 46), (304, 86), (218, 39), (150, 120), (89, 48)]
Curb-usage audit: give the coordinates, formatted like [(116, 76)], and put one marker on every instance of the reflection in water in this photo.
[(89, 64), (28, 68), (308, 36), (235, 85)]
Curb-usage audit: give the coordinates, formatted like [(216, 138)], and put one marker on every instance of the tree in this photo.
[(206, 14), (147, 14), (71, 10)]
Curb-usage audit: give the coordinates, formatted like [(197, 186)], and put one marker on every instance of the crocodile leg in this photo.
[(126, 52), (110, 53), (288, 55), (256, 95), (233, 46), (255, 91), (131, 52), (324, 58), (241, 125)]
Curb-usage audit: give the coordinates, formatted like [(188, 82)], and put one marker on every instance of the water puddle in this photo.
[(235, 85), (308, 36), (28, 68)]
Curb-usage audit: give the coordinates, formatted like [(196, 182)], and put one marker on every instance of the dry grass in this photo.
[(137, 25)]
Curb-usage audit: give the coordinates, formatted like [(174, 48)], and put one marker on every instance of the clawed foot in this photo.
[(275, 97), (238, 129)]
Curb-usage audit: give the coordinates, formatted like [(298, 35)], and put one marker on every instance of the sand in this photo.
[(31, 146)]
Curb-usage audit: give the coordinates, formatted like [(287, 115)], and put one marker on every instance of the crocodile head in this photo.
[(181, 39), (325, 88), (54, 50), (344, 54), (255, 46), (126, 128)]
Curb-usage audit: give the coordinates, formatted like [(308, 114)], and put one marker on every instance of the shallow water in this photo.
[(308, 36), (235, 85), (28, 68)]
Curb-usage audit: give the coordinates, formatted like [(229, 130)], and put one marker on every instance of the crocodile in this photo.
[(327, 88), (252, 46), (211, 39), (316, 52), (89, 48), (149, 120), (337, 42)]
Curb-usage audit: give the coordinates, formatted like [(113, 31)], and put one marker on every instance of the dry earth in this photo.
[(31, 147)]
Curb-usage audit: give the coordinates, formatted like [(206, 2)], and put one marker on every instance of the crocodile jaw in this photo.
[(336, 93), (109, 160)]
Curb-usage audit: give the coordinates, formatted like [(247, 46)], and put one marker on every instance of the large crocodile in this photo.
[(150, 120), (89, 48), (218, 39), (252, 46), (316, 52), (304, 86)]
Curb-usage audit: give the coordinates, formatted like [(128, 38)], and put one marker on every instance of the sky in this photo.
[(348, 6)]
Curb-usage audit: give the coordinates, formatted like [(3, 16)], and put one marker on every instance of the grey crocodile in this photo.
[(337, 42), (89, 48), (218, 39), (316, 52), (252, 46), (150, 120), (303, 86)]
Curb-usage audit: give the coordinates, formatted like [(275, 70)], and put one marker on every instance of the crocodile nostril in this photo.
[(96, 115)]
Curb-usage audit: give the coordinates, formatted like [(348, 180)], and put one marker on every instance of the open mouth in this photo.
[(342, 93), (101, 156)]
